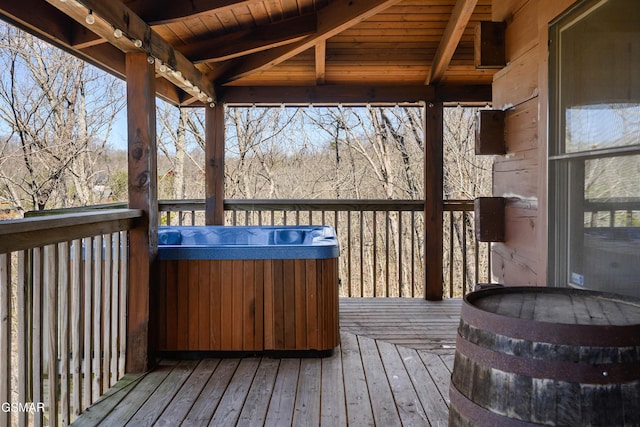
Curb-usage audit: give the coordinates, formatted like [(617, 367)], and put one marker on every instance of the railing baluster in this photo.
[(97, 319), (490, 279), (87, 262), (465, 285), (361, 243), (451, 243), (23, 307), (106, 309), (5, 335), (122, 310), (25, 320), (64, 294), (400, 255), (76, 325), (375, 253), (38, 329), (51, 306), (349, 246), (477, 261), (413, 254), (386, 258), (113, 314)]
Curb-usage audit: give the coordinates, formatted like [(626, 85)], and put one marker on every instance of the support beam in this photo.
[(65, 33), (214, 167), (321, 56), (137, 36), (328, 94), (246, 42), (143, 240), (338, 16), (450, 39), (433, 206)]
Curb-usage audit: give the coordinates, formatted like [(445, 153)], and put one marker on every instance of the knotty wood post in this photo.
[(433, 205), (143, 239), (214, 167)]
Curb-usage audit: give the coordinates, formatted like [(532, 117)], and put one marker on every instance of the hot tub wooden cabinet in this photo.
[(248, 289)]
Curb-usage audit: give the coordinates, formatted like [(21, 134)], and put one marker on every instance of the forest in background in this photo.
[(59, 118)]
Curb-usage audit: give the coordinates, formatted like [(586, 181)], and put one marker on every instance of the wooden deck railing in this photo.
[(62, 313), (63, 285), (621, 212), (381, 241)]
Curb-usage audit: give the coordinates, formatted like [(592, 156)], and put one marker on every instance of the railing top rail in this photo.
[(28, 233), (78, 209), (341, 205), (324, 204), (613, 203), (275, 204)]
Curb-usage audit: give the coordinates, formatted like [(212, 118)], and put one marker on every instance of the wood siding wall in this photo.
[(521, 89)]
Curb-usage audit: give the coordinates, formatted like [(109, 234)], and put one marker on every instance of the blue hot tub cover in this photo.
[(247, 242)]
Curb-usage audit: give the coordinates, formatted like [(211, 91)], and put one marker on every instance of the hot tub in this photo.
[(248, 289)]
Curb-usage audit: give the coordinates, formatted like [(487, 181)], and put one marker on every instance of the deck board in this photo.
[(392, 367)]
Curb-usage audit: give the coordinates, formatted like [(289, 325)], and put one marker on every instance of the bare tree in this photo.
[(259, 145), (466, 176), (181, 141), (57, 113)]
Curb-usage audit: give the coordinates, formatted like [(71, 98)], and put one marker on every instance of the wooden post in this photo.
[(433, 205), (143, 240), (214, 168)]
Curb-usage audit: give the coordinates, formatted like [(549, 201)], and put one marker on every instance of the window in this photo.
[(594, 148)]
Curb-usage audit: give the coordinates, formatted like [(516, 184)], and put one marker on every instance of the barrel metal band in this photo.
[(553, 333), (612, 373), (479, 415)]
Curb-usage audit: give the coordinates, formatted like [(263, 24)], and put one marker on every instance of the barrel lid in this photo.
[(556, 315)]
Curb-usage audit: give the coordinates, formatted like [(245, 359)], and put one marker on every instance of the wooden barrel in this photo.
[(546, 356)]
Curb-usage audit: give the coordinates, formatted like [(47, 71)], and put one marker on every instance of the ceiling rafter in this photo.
[(246, 42), (63, 32), (333, 19), (452, 34), (113, 14), (157, 12), (50, 22)]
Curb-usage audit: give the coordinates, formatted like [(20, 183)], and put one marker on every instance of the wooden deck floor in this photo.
[(392, 369)]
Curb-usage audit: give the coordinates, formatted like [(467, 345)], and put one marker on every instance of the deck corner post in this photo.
[(214, 167), (433, 205), (143, 239)]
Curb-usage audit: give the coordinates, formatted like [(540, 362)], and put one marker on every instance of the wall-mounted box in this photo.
[(489, 218), (490, 132), (489, 45)]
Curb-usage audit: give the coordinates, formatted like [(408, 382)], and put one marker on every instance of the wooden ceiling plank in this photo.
[(333, 19), (156, 12), (246, 42), (113, 14), (456, 26)]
